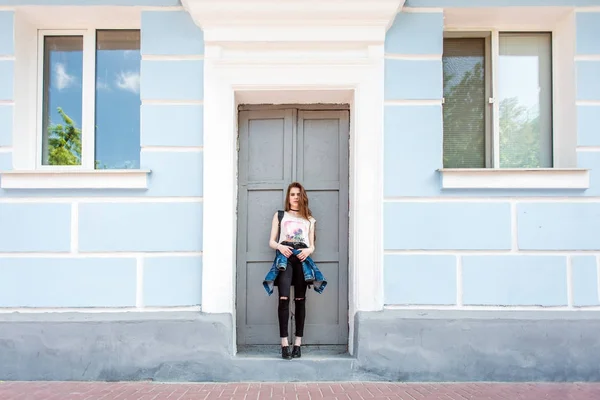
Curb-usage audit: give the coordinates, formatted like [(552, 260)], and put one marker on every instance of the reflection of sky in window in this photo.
[(64, 76), (117, 114), (519, 76), (118, 99)]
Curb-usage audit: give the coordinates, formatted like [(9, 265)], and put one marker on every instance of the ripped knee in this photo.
[(298, 299), (283, 298)]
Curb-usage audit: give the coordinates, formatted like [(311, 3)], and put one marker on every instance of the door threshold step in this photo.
[(316, 352)]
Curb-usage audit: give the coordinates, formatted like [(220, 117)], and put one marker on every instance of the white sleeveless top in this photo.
[(295, 229)]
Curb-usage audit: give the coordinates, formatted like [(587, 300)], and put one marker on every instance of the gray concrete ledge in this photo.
[(391, 345), (407, 345)]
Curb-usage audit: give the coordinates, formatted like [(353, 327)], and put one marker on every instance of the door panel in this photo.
[(278, 147)]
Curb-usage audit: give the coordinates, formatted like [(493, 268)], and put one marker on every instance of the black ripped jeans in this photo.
[(292, 275)]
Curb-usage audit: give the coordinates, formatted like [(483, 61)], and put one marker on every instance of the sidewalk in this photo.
[(299, 391)]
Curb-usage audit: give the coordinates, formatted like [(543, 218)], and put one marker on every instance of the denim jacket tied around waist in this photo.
[(312, 274)]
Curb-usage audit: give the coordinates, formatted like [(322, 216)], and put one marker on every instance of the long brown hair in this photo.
[(303, 209)]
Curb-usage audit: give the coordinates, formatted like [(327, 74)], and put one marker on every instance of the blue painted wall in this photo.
[(488, 252), (111, 238)]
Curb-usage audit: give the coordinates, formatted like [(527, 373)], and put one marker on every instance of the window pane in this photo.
[(63, 71), (525, 94), (464, 103), (117, 99)]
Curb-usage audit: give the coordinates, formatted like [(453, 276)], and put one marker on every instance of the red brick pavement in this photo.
[(297, 391)]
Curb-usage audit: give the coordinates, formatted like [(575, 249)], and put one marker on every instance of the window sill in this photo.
[(75, 179), (517, 178)]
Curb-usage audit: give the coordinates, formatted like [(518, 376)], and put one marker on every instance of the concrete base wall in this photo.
[(479, 345), (391, 345)]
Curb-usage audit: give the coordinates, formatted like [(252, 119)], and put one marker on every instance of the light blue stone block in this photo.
[(7, 69), (585, 281), (446, 226), (588, 32), (558, 226), (413, 79), (416, 33), (419, 279), (172, 80), (515, 280), (170, 33), (413, 137), (67, 282), (6, 125), (35, 227), (588, 125), (172, 125), (150, 3), (591, 161), (588, 80), (7, 35), (5, 162), (174, 173), (172, 281), (140, 227)]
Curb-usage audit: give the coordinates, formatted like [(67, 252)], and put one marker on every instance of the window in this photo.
[(89, 99), (498, 100)]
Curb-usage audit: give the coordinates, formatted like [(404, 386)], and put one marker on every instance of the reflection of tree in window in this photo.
[(64, 142), (464, 103)]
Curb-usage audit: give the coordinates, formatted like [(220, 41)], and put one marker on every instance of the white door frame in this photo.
[(240, 68)]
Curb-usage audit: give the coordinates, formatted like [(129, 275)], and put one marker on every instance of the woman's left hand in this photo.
[(303, 254)]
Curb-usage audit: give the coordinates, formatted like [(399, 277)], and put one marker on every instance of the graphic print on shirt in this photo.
[(294, 231)]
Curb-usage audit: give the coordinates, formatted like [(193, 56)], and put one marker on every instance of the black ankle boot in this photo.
[(296, 353), (285, 353)]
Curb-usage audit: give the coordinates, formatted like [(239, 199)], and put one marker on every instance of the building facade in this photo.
[(450, 149)]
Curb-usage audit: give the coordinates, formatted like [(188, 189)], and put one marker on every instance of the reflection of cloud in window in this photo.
[(129, 80), (62, 79), (102, 85)]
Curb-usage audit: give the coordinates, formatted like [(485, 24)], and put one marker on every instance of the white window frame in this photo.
[(88, 99), (560, 22), (491, 60), (32, 24)]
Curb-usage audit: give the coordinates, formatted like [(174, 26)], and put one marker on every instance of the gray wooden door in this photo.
[(277, 147)]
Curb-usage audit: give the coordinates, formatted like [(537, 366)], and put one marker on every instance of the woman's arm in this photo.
[(285, 250), (309, 250)]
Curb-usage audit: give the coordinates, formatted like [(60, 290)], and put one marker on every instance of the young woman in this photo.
[(296, 242)]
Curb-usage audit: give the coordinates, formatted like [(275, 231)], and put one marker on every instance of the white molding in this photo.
[(587, 9), (102, 255), (7, 58), (570, 281), (7, 102), (290, 20), (161, 8), (591, 149), (422, 10), (97, 310), (505, 178), (238, 64), (74, 179), (75, 227), (7, 149), (587, 57), (103, 199), (139, 285), (588, 103)]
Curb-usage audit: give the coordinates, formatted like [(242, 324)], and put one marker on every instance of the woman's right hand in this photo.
[(285, 250)]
